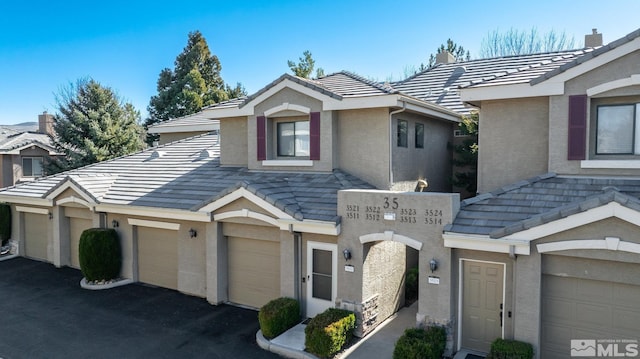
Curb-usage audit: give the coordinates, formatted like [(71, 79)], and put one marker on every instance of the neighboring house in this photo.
[(23, 154), (298, 197), (549, 252), (184, 127)]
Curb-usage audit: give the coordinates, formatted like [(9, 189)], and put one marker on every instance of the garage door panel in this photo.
[(254, 271), (575, 308), (626, 320), (158, 257), (36, 236), (76, 227), (558, 310)]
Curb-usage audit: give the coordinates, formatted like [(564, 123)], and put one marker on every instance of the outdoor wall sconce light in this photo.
[(433, 265), (347, 254), (192, 233), (115, 224), (50, 215)]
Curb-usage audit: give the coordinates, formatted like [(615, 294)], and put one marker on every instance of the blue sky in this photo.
[(125, 44)]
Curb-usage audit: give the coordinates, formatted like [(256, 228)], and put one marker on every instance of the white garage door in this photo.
[(158, 257), (575, 309), (36, 235), (254, 271), (76, 227)]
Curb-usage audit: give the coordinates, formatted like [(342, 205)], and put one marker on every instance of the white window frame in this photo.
[(32, 158)]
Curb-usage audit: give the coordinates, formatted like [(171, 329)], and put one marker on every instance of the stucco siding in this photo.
[(620, 68), (292, 97), (513, 141), (433, 162), (233, 141), (363, 139)]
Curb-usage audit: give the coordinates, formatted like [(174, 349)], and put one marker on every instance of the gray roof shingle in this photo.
[(540, 200), (22, 139), (177, 176), (440, 84)]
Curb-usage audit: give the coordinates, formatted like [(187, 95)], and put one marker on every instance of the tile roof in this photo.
[(186, 175), (440, 84), (597, 52), (189, 120), (338, 85), (19, 140), (540, 200)]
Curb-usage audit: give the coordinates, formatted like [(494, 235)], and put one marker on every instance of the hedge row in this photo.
[(100, 255), (510, 349), (417, 343), (277, 316), (328, 332)]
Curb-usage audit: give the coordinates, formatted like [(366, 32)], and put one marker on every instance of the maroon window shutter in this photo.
[(577, 127), (262, 141), (314, 136)]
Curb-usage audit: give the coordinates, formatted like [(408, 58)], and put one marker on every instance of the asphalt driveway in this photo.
[(45, 314)]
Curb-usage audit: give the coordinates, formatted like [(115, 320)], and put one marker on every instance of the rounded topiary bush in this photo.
[(418, 343), (100, 256), (5, 223), (278, 315), (328, 332)]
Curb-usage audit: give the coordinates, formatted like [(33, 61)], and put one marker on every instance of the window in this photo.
[(618, 130), (293, 139), (419, 135), (402, 133), (32, 166)]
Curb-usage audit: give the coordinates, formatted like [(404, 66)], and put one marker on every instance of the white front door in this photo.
[(322, 284)]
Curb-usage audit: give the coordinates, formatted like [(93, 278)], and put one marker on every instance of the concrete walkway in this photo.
[(378, 344), (381, 342)]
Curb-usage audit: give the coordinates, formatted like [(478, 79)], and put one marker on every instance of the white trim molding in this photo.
[(26, 200), (611, 209), (287, 163), (390, 236), (287, 107), (310, 226), (485, 243), (245, 213), (69, 184), (608, 243), (76, 200), (154, 212), (632, 80), (32, 210), (153, 224), (244, 193), (611, 164)]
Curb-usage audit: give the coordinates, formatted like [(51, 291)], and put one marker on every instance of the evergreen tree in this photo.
[(194, 82), (465, 158), (454, 49), (93, 124), (304, 68)]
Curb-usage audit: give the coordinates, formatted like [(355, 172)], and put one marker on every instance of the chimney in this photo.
[(445, 57), (45, 123), (593, 40)]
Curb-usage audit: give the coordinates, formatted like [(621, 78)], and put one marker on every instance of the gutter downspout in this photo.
[(404, 108)]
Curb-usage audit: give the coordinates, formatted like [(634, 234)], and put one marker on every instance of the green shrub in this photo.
[(418, 343), (100, 256), (510, 349), (411, 285), (5, 223), (278, 315), (328, 332)]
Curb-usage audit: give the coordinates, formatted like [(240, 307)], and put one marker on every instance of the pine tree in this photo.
[(194, 82), (93, 124), (304, 67)]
